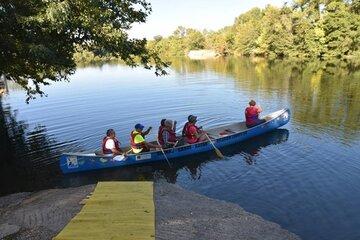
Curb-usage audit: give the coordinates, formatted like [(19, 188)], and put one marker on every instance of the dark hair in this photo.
[(192, 118), (252, 103), (162, 123), (109, 132)]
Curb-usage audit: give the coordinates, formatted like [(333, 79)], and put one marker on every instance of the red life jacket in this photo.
[(251, 114), (172, 136), (184, 129), (108, 151), (160, 132), (188, 135), (134, 145)]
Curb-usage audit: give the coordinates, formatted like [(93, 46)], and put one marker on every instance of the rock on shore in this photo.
[(180, 215)]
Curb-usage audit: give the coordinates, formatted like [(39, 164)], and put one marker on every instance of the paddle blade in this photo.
[(119, 158), (218, 153)]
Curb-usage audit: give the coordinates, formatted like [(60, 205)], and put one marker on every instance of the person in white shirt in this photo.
[(110, 144)]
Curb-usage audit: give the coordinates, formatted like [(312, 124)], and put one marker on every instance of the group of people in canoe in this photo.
[(167, 138)]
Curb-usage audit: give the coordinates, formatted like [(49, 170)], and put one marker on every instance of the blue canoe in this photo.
[(222, 136)]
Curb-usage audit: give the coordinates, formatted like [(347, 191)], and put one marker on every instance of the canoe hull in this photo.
[(78, 162)]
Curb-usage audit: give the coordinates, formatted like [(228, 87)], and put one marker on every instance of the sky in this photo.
[(167, 15)]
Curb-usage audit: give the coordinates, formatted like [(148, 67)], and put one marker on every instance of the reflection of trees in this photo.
[(187, 66), (28, 158), (317, 97), (324, 100)]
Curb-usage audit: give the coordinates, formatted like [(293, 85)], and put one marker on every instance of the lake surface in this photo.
[(305, 176)]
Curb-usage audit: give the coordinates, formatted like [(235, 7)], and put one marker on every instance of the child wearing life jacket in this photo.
[(167, 134), (161, 128), (137, 140)]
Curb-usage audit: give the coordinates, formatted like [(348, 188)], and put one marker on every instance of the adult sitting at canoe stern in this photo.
[(252, 115), (110, 144), (137, 140), (167, 134), (191, 132)]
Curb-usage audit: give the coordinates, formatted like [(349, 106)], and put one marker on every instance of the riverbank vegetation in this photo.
[(39, 38), (43, 41), (306, 30)]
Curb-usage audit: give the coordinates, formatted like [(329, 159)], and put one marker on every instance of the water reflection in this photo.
[(28, 156), (248, 150), (318, 99), (3, 86)]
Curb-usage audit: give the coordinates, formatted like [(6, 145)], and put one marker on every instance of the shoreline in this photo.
[(179, 214)]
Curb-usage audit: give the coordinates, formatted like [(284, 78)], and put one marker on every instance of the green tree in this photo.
[(180, 32), (158, 38), (247, 29), (276, 38), (222, 41), (342, 31), (355, 6), (308, 30), (194, 39), (308, 36), (39, 38)]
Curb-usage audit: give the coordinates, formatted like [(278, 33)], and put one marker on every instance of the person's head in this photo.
[(168, 123), (192, 119), (110, 133), (139, 127), (252, 103), (162, 123)]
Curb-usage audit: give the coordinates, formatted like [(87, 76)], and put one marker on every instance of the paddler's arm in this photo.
[(146, 132), (174, 127), (116, 151), (166, 138), (172, 143), (200, 131), (151, 145)]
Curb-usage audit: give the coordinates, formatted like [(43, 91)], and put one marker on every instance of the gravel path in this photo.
[(180, 215)]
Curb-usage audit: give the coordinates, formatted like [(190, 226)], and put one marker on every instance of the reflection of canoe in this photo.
[(222, 136)]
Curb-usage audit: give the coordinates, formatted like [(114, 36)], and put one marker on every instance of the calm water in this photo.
[(305, 176)]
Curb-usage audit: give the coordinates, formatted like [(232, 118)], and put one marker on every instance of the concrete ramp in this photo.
[(116, 210)]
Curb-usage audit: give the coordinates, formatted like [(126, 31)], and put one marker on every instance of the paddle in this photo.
[(162, 150), (121, 157), (217, 151)]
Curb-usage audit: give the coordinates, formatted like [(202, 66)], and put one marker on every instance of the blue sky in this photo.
[(198, 14)]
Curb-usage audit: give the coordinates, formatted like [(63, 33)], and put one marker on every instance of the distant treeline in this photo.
[(326, 30)]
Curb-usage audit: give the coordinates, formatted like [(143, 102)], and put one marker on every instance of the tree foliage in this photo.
[(181, 41), (325, 30), (39, 37), (342, 31)]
